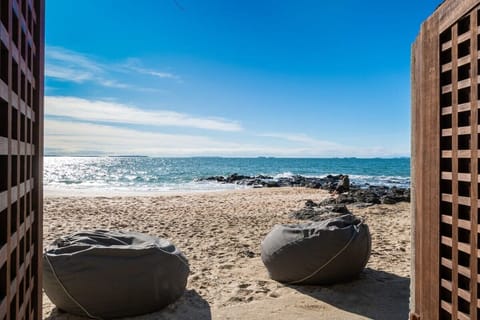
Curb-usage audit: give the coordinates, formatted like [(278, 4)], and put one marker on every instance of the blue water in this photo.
[(145, 174)]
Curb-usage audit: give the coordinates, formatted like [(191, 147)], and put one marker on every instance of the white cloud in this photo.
[(300, 137), (305, 145), (136, 65), (71, 66), (77, 138), (108, 111), (67, 137)]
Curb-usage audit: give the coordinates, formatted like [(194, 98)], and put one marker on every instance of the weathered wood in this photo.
[(21, 149), (450, 11), (442, 91)]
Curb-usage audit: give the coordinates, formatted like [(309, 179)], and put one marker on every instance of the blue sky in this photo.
[(230, 78)]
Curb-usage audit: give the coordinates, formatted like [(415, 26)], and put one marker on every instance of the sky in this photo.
[(292, 78)]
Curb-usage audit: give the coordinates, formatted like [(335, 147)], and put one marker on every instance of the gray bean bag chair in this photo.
[(325, 252), (111, 274)]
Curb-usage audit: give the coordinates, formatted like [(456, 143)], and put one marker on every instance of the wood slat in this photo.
[(3, 146), (464, 107), (463, 154), (473, 223), (447, 45), (446, 197), (447, 132), (446, 284), (463, 316), (3, 200), (463, 37), (455, 198), (446, 110), (446, 219), (446, 241), (4, 37), (464, 83), (446, 263), (463, 200), (463, 60), (464, 130), (3, 308), (447, 88), (465, 224), (446, 306), (446, 175), (447, 154), (464, 247), (447, 67), (3, 254), (464, 177)]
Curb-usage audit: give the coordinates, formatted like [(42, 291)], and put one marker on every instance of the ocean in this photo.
[(100, 175)]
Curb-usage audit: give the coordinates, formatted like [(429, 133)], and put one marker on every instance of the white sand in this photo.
[(218, 230)]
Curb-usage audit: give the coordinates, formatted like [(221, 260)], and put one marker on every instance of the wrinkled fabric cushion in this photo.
[(111, 274), (323, 252)]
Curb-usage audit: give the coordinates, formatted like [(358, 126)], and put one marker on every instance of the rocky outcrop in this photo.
[(337, 184), (330, 182)]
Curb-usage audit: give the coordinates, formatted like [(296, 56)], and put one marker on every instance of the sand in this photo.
[(220, 233)]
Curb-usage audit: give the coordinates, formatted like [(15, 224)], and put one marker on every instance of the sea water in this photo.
[(149, 174)]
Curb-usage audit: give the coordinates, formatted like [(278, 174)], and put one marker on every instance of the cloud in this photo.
[(71, 66), (299, 137), (77, 138), (305, 145), (112, 112), (136, 65)]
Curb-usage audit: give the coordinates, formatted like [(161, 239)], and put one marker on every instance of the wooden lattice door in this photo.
[(21, 157), (445, 166)]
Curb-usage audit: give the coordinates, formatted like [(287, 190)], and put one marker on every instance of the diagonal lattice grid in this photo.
[(459, 168), (21, 113)]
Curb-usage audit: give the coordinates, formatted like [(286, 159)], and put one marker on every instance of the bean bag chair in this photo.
[(110, 274), (325, 252)]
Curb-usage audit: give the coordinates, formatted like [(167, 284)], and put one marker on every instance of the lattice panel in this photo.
[(21, 129), (459, 166)]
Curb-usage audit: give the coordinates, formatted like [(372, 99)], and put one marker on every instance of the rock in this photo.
[(236, 177), (272, 184), (345, 198), (319, 211), (343, 185), (247, 254), (328, 201), (338, 184)]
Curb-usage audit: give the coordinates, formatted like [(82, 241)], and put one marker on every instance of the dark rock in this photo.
[(272, 184), (236, 177), (319, 211), (338, 184), (343, 185), (345, 198), (247, 254), (327, 201)]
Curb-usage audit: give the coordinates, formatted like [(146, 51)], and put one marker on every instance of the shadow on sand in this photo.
[(191, 306), (374, 294)]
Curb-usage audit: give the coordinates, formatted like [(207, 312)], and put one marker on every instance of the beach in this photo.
[(220, 233)]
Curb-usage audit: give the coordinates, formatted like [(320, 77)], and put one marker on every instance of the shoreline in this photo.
[(220, 233), (95, 193)]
